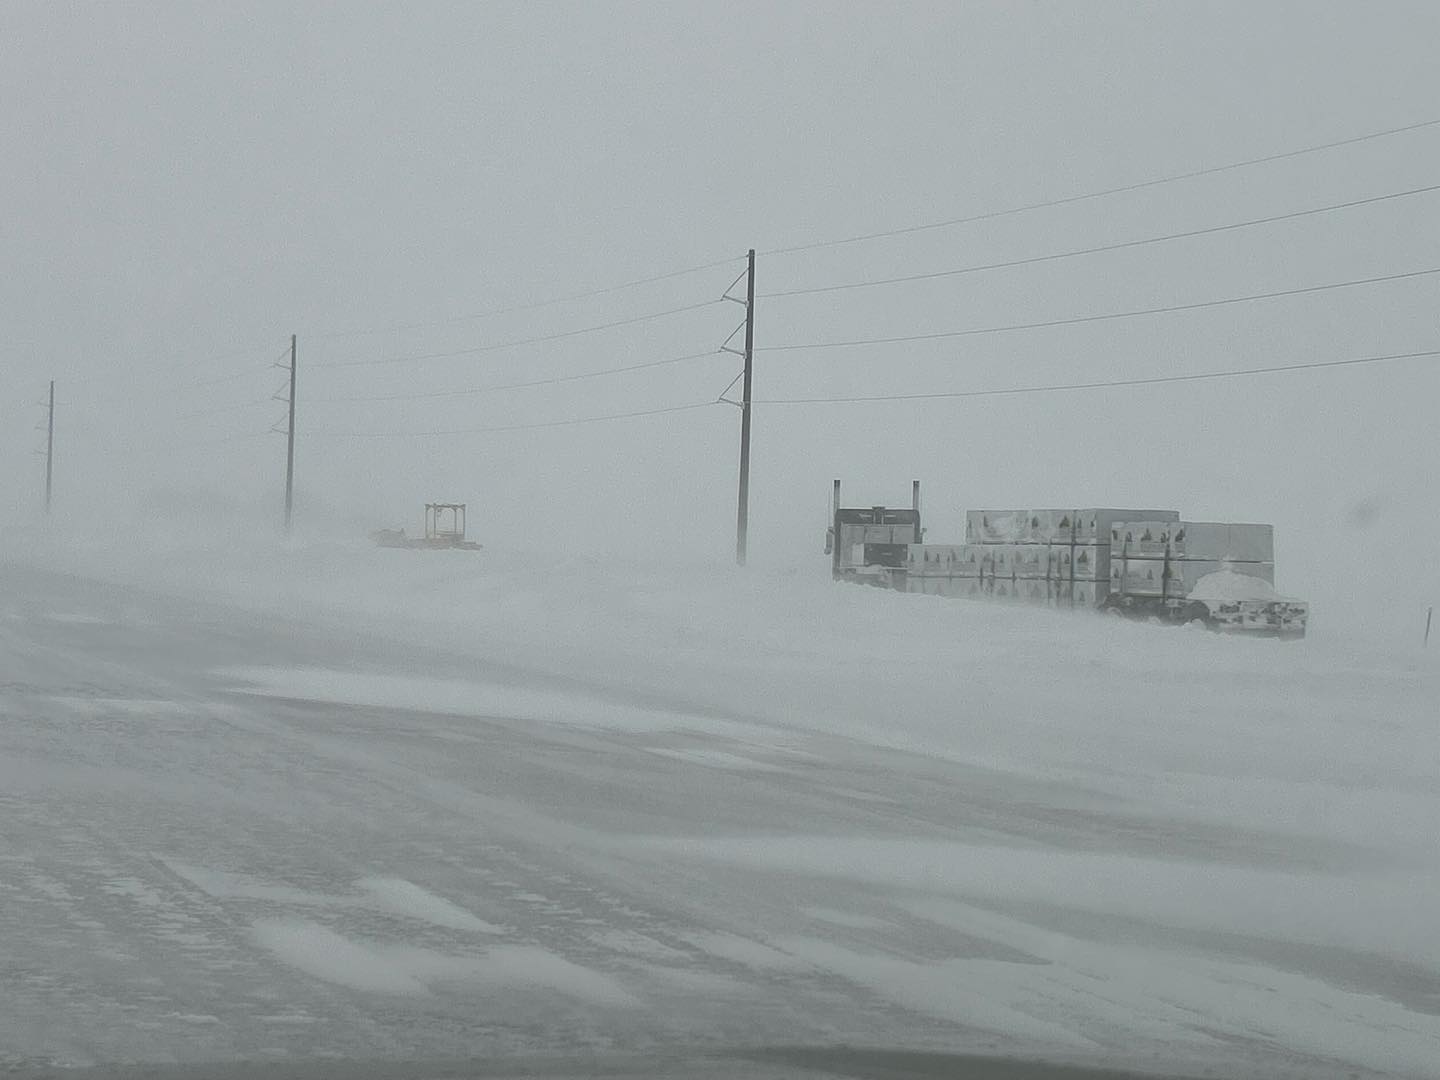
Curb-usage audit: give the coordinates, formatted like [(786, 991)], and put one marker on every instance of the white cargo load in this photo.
[(1214, 540), (996, 526), (1224, 540), (1142, 539), (1093, 526), (1080, 562), (1020, 526), (944, 560), (1174, 578)]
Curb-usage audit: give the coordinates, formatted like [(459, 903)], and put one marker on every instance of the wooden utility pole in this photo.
[(290, 443), (742, 512), (50, 448)]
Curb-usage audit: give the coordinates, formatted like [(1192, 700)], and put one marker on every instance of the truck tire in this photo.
[(1195, 613)]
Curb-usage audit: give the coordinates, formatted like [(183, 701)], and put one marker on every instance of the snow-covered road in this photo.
[(230, 832)]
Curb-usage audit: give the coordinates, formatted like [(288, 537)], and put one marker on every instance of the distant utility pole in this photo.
[(50, 447), (290, 443), (742, 512)]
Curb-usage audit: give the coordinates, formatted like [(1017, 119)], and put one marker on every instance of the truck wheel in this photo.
[(1197, 614)]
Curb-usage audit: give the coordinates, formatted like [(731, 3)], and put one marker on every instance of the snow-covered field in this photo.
[(325, 799)]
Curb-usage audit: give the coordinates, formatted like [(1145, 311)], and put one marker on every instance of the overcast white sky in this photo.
[(184, 186)]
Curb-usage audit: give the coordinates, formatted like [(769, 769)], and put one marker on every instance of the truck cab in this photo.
[(871, 543)]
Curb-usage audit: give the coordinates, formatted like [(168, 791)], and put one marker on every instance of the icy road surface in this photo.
[(578, 817)]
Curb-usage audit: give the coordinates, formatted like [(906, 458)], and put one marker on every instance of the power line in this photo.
[(603, 291), (197, 444), (1189, 233), (523, 341), (232, 354), (228, 378), (1105, 316), (517, 385), (1106, 384), (215, 382), (1084, 196), (223, 409), (508, 427)]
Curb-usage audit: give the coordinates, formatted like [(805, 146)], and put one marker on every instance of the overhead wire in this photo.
[(507, 427), (476, 390), (215, 382), (217, 410), (1096, 249), (1055, 388), (1103, 192), (196, 444), (604, 290), (515, 343), (531, 306), (247, 373), (1100, 317), (874, 341)]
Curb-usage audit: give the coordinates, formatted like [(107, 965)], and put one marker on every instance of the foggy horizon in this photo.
[(199, 187)]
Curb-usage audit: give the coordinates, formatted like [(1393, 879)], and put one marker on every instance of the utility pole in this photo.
[(290, 443), (742, 512), (50, 447)]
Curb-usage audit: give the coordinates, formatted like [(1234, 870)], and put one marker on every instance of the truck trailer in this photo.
[(1138, 563)]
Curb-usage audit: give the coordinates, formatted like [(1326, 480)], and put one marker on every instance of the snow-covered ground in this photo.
[(328, 799)]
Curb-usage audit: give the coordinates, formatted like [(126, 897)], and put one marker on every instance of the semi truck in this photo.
[(1139, 563)]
